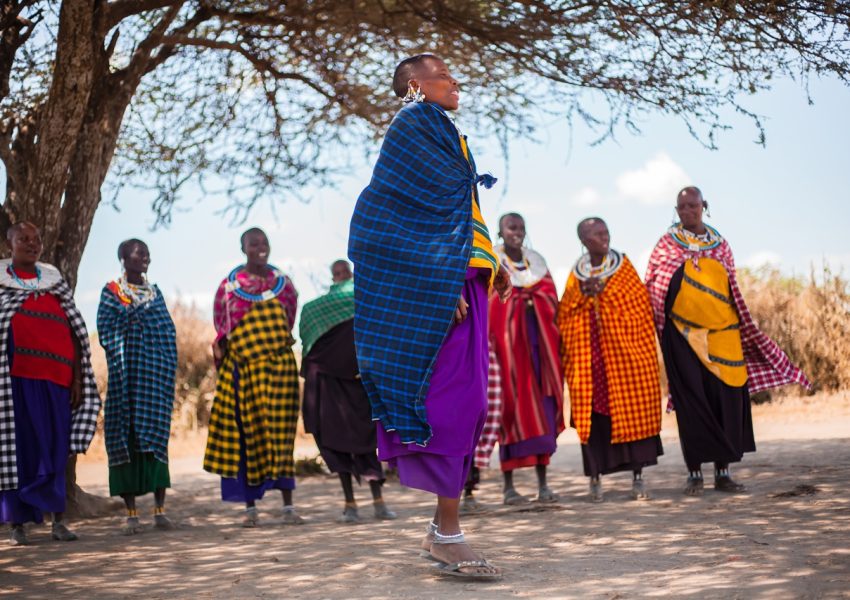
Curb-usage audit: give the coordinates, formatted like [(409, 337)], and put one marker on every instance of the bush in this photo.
[(808, 317)]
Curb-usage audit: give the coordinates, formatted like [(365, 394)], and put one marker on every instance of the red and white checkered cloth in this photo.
[(490, 434), (767, 365)]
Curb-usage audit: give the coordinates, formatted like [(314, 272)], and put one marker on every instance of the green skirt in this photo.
[(142, 475)]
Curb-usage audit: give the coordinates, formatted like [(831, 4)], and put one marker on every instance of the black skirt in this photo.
[(715, 419), (336, 408), (601, 457)]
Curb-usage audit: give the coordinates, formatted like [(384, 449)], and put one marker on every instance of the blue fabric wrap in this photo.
[(141, 357), (410, 242)]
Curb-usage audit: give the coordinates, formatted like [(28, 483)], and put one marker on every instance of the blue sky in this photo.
[(786, 204)]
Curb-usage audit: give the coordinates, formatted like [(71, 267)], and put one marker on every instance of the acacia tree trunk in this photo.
[(37, 195)]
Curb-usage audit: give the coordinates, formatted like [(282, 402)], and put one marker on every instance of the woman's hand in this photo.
[(592, 286), (502, 284), (462, 310)]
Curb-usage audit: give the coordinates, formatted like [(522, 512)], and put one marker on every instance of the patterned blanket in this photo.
[(84, 418), (627, 338), (141, 355), (324, 313), (767, 364), (410, 241), (259, 372)]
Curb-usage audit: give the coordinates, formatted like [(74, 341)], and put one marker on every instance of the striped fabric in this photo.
[(84, 418), (141, 354), (490, 433), (624, 321), (767, 365), (411, 240), (259, 347), (482, 254)]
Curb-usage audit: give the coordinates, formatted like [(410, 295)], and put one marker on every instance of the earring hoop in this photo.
[(413, 95)]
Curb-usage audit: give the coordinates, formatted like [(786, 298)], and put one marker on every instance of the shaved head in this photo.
[(585, 224), (10, 233), (689, 191), (406, 70)]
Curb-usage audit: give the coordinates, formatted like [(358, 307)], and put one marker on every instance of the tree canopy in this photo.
[(257, 99)]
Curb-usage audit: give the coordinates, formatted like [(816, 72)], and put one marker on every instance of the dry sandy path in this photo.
[(787, 537)]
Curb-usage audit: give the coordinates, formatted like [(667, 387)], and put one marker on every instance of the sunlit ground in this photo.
[(787, 537)]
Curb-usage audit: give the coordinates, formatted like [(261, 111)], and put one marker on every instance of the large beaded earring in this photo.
[(706, 209), (413, 95)]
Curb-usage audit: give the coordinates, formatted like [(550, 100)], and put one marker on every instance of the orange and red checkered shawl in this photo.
[(627, 337), (767, 365), (522, 396)]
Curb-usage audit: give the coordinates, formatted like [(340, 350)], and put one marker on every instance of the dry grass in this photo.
[(808, 317)]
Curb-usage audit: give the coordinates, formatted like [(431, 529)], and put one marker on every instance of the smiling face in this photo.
[(256, 247), (595, 237), (434, 80), (137, 258), (690, 206), (512, 231), (26, 246)]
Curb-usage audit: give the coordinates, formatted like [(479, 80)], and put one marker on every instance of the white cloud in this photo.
[(763, 258), (656, 182), (587, 196)]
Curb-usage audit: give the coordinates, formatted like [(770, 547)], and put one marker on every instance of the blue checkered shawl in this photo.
[(141, 356), (410, 242)]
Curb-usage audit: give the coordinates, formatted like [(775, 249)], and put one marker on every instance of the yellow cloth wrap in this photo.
[(482, 254), (704, 312), (259, 348)]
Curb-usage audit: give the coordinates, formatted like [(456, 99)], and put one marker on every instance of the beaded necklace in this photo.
[(696, 242), (585, 270), (234, 286), (23, 283), (136, 293)]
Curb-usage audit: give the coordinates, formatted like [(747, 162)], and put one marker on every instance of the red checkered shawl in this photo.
[(522, 396), (767, 365)]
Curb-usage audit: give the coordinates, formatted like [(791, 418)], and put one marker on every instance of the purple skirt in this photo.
[(238, 490), (42, 444), (456, 405)]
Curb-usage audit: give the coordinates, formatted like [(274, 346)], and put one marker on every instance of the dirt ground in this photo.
[(788, 536)]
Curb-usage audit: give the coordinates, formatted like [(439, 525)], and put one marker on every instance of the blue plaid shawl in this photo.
[(410, 241), (141, 356)]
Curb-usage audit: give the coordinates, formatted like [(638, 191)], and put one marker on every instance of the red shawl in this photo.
[(522, 396)]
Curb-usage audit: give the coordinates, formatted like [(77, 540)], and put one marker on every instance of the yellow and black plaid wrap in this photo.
[(259, 347)]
